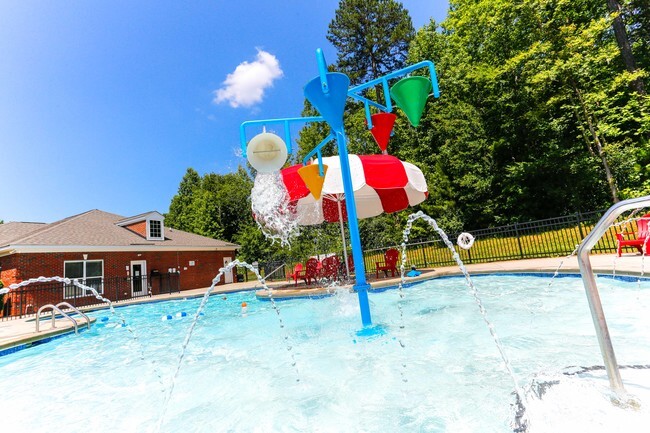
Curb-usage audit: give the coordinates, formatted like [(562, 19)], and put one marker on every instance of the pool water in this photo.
[(435, 369)]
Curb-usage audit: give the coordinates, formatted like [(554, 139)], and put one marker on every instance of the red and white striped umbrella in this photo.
[(381, 183)]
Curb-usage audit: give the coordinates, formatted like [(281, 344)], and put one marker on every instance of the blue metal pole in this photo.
[(322, 70), (361, 285)]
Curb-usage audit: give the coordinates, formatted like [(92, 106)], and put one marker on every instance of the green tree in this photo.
[(215, 205), (371, 37), (624, 45), (180, 213), (540, 106)]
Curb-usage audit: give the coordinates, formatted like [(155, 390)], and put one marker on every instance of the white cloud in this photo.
[(246, 85)]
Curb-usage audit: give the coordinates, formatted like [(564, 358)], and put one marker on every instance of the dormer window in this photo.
[(155, 230), (150, 225)]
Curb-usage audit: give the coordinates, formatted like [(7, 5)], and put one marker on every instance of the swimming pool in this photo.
[(238, 375)]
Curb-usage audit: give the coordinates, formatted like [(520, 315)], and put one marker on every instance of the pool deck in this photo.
[(22, 332)]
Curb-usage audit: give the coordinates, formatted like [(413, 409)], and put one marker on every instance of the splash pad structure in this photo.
[(328, 93), (443, 376)]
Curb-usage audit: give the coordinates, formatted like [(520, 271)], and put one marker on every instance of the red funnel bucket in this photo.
[(382, 126), (410, 94)]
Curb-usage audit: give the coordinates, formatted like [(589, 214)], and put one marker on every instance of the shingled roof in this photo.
[(97, 230)]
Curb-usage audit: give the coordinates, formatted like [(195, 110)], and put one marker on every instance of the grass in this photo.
[(524, 241)]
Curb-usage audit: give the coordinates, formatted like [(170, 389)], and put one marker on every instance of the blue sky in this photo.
[(105, 104)]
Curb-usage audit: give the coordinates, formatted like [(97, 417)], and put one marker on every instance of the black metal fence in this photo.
[(552, 237), (25, 301)]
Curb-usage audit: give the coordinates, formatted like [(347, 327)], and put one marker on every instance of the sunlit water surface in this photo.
[(237, 374)]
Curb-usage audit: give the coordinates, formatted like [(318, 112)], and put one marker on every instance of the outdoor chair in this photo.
[(389, 263), (641, 238), (297, 274), (311, 271), (331, 267)]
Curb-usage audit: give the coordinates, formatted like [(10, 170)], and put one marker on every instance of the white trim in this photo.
[(101, 288), (138, 218), (16, 249), (162, 229), (143, 277), (228, 277)]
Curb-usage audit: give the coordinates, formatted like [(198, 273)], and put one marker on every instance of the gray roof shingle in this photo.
[(96, 228)]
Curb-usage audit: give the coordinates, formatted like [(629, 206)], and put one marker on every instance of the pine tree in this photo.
[(371, 37)]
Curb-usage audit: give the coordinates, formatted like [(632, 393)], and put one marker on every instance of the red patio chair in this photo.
[(297, 274), (331, 267), (389, 263), (311, 271), (641, 237)]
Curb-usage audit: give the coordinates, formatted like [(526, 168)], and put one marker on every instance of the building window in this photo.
[(88, 272), (155, 229)]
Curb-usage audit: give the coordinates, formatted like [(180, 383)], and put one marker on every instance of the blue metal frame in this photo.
[(361, 286), (285, 122), (316, 151), (354, 92)]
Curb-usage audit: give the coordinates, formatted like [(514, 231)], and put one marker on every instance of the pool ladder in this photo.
[(57, 308), (589, 281)]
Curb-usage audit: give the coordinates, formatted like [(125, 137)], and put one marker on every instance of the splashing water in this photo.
[(270, 203), (97, 295), (468, 281), (559, 266), (199, 312)]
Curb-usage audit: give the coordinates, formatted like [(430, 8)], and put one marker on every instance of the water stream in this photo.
[(420, 215), (100, 297), (199, 312)]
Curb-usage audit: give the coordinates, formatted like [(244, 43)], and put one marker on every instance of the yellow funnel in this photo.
[(410, 94), (312, 178)]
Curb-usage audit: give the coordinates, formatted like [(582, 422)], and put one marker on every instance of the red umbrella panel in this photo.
[(381, 183)]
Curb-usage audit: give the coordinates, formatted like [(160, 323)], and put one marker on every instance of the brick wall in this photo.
[(139, 228), (197, 268), (19, 267)]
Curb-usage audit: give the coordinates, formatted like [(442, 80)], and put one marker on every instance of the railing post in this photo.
[(424, 256), (578, 218), (521, 250), (23, 296)]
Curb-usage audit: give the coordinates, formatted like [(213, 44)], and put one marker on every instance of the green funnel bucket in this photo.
[(410, 94)]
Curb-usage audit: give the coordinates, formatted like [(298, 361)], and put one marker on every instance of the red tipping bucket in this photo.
[(382, 126), (410, 94)]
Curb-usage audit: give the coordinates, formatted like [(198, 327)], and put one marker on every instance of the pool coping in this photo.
[(628, 268)]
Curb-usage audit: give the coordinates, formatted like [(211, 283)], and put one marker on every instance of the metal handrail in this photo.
[(57, 309), (76, 310), (589, 281)]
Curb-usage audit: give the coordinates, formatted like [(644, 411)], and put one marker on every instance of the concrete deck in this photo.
[(19, 332)]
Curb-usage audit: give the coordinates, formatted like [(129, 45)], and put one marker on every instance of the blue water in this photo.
[(238, 375)]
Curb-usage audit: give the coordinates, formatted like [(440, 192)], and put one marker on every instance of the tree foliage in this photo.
[(541, 114), (537, 117), (371, 37), (215, 205)]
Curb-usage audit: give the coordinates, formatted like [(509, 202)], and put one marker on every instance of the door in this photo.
[(227, 278), (138, 278)]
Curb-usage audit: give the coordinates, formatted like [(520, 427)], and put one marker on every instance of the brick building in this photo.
[(99, 247)]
